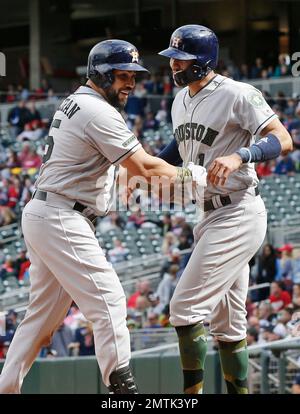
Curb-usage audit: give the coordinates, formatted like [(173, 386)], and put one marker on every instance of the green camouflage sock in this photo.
[(193, 347), (234, 361)]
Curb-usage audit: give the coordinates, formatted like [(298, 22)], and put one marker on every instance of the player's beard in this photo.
[(113, 98)]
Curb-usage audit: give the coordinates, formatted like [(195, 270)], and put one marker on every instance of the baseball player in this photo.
[(215, 120), (88, 140)]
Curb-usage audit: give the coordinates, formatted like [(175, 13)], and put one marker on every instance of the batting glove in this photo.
[(199, 174)]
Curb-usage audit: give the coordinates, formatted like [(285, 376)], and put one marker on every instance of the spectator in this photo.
[(173, 258), (118, 253), (293, 126), (153, 321), (31, 159), (84, 340), (243, 72), (45, 85), (7, 216), (296, 296), (23, 269), (281, 102), (113, 221), (136, 219), (257, 68), (11, 95), (142, 304), (136, 102), (13, 193), (187, 232), (266, 314), (165, 289), (17, 117), (32, 132), (178, 222), (34, 114), (270, 71), (74, 317), (295, 156), (283, 67), (7, 269), (279, 298), (62, 340), (291, 108), (170, 241), (48, 352), (158, 85), (286, 260), (143, 288), (150, 122), (296, 385), (11, 325), (296, 268), (295, 132), (165, 224), (162, 113), (4, 349), (251, 307), (3, 194), (265, 169), (167, 84), (267, 270), (22, 258), (252, 336), (137, 127), (294, 325), (183, 242), (27, 190), (285, 166), (52, 98), (284, 317), (23, 93), (13, 160), (253, 322), (268, 334)]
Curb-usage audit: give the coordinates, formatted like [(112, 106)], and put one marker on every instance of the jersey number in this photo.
[(49, 140), (48, 148)]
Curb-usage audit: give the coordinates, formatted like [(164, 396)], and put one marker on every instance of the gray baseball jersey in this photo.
[(222, 117), (88, 138)]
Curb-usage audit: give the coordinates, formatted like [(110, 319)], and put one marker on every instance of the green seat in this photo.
[(11, 282), (2, 287)]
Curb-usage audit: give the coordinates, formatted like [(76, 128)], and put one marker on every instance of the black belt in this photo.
[(225, 200), (42, 195)]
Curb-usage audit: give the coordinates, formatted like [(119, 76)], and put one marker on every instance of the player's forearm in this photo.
[(141, 164), (159, 168), (275, 141), (285, 140)]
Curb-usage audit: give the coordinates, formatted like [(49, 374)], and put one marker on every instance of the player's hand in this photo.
[(199, 174), (221, 168)]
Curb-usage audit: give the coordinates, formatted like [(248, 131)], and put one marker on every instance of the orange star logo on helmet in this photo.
[(135, 56), (176, 41)]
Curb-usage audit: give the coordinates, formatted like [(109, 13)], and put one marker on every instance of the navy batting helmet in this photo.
[(193, 42), (108, 55)]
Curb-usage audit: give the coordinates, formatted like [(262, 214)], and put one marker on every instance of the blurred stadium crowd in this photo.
[(272, 311)]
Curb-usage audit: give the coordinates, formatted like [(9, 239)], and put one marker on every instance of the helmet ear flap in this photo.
[(191, 74), (103, 80)]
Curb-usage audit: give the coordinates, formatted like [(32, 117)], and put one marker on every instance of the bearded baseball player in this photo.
[(215, 120), (88, 140)]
